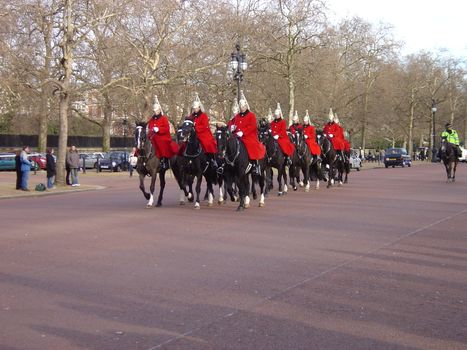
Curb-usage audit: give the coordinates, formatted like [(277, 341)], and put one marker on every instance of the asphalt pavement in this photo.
[(379, 263)]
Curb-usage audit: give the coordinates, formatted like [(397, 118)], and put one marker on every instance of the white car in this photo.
[(463, 158)]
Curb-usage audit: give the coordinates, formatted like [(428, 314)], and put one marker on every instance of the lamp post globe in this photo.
[(236, 67)]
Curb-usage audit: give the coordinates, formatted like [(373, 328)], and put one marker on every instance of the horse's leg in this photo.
[(210, 191), (242, 190), (141, 186), (284, 174), (221, 190), (293, 176), (162, 187), (306, 175), (253, 187), (199, 179), (330, 174), (152, 188), (454, 172), (262, 187), (279, 180)]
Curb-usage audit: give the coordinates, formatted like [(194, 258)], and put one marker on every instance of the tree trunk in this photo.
[(43, 124), (411, 118), (67, 63), (106, 123), (291, 99)]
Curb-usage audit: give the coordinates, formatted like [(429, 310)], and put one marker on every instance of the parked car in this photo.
[(7, 162), (355, 161), (114, 161), (463, 157), (89, 160), (397, 157), (39, 159)]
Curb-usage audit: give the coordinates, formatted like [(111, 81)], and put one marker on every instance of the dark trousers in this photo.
[(68, 171), (19, 175)]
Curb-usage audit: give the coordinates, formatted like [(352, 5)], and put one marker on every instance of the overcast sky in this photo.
[(421, 24)]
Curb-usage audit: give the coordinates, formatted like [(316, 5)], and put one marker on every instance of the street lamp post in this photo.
[(124, 123), (237, 66), (434, 150)]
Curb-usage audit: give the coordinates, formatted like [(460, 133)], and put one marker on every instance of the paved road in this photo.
[(380, 263)]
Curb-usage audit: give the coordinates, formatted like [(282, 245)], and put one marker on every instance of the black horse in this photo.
[(301, 161), (194, 163), (148, 164), (224, 175), (328, 155), (275, 159), (239, 167), (449, 157)]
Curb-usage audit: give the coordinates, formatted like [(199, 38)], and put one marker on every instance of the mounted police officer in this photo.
[(451, 136)]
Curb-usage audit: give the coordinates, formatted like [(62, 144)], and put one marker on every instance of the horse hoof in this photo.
[(209, 204), (301, 184), (279, 194), (240, 208), (220, 202), (148, 206), (261, 204), (307, 190), (295, 188)]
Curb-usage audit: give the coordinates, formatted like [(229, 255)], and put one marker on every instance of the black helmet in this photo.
[(448, 125)]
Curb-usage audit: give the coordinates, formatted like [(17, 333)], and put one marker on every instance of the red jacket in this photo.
[(344, 140), (294, 127), (246, 123), (278, 127), (203, 131), (310, 133), (161, 140), (336, 131)]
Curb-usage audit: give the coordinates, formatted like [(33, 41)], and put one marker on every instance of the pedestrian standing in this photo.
[(25, 168), (67, 168), (19, 173), (132, 159), (73, 161), (51, 168)]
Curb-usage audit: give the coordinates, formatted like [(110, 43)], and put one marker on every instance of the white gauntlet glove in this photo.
[(276, 137), (306, 136), (232, 128), (240, 133), (331, 135), (155, 129)]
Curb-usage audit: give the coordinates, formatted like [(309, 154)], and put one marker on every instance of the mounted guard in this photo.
[(295, 124), (159, 134), (279, 132), (334, 133), (244, 127), (203, 131)]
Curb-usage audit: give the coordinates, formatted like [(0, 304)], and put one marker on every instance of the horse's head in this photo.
[(299, 140), (140, 135), (187, 130), (264, 133), (222, 134)]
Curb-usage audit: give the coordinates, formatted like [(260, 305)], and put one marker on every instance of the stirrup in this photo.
[(220, 170), (248, 168)]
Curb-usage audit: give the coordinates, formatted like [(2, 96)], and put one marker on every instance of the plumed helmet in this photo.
[(270, 115), (243, 102), (331, 115), (235, 108), (156, 107), (197, 103), (278, 111), (295, 118), (306, 118)]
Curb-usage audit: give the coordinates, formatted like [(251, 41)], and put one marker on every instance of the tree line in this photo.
[(84, 65)]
